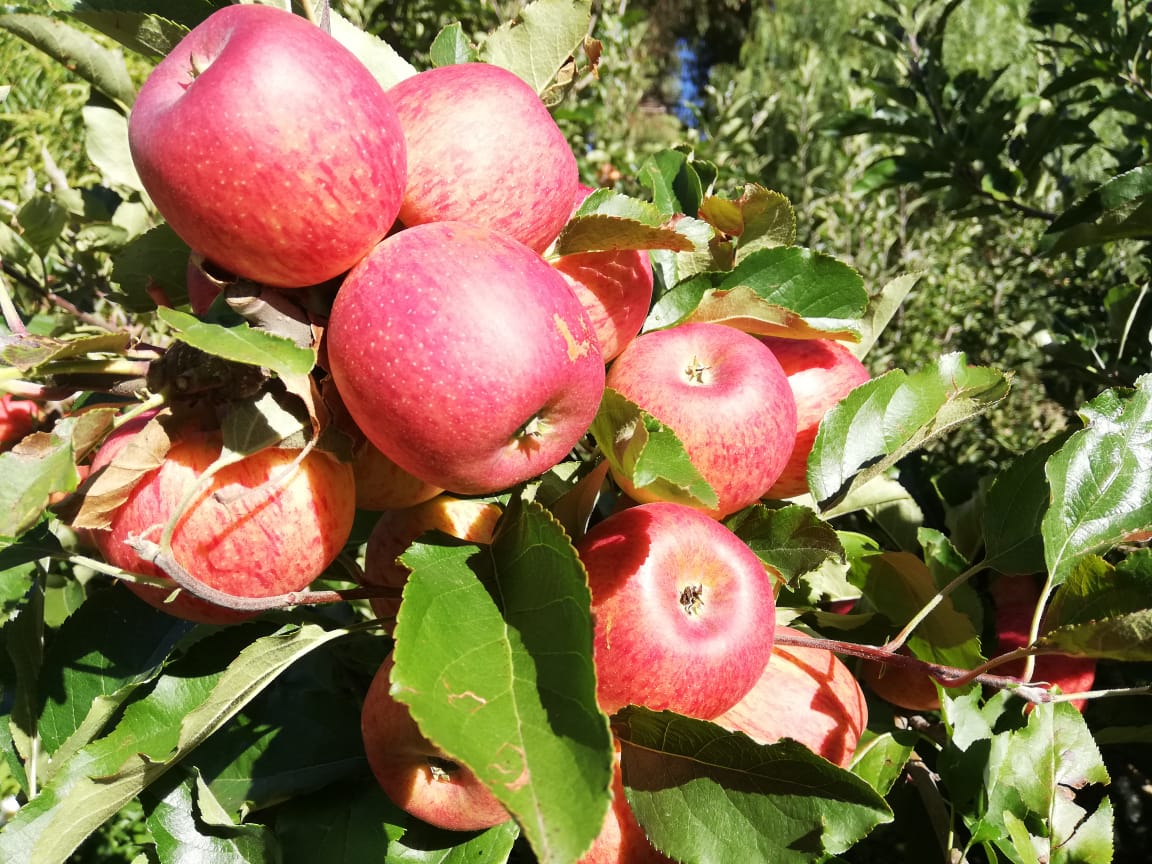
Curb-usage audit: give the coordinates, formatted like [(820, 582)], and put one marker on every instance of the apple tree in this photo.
[(328, 514)]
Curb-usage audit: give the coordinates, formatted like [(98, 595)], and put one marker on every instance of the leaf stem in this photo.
[(900, 638)]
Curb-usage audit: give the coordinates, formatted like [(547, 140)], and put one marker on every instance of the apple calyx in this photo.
[(529, 436), (198, 64), (697, 372), (692, 599), (442, 768)]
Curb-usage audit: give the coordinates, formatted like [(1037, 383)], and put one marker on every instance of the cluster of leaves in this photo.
[(244, 741), (1064, 152)]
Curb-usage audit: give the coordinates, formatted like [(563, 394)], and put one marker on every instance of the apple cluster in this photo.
[(470, 359)]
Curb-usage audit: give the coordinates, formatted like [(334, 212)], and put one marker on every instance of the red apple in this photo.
[(414, 773), (615, 287), (464, 357), (462, 518), (1016, 598), (205, 282), (821, 373), (269, 148), (684, 611), (18, 419), (381, 484), (724, 395), (262, 527), (621, 840), (482, 148), (905, 688), (806, 694)]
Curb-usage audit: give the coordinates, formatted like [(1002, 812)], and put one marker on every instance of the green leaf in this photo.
[(898, 585), (1119, 209), (607, 202), (882, 306), (357, 823), (451, 46), (880, 759), (241, 344), (1102, 610), (13, 247), (608, 233), (675, 183), (759, 219), (101, 67), (780, 291), (153, 735), (674, 267), (741, 307), (341, 824), (106, 142), (1031, 780), (792, 540), (705, 794), (1100, 482), (1014, 511), (22, 640), (302, 734), (886, 418), (145, 32), (809, 283), (381, 59), (251, 425), (183, 815), (648, 453), (28, 352), (41, 220), (101, 654), (511, 694), (155, 260), (40, 465), (539, 41), (15, 580)]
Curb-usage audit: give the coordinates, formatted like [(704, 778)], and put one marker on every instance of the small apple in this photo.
[(464, 357), (806, 694), (1016, 598), (269, 147), (264, 526), (414, 773), (621, 840), (724, 395), (821, 372), (18, 419), (482, 148), (462, 518), (381, 484), (684, 611), (615, 287)]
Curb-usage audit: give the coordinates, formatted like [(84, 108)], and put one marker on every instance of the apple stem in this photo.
[(947, 676), (172, 568)]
